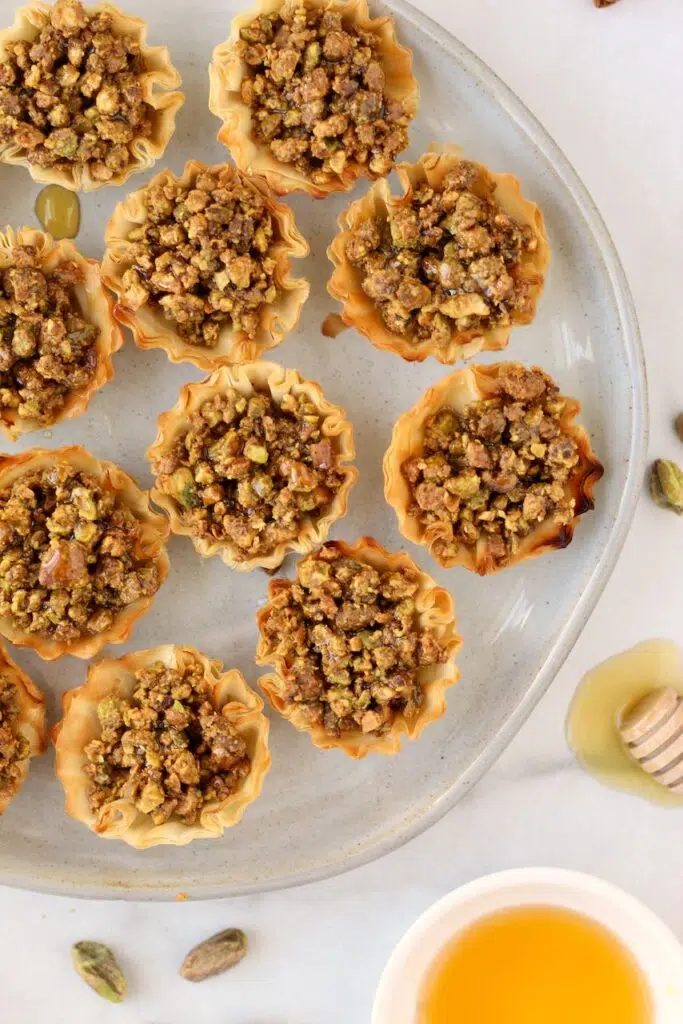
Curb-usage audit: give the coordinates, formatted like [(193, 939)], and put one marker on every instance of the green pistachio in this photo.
[(97, 966), (666, 485), (256, 453)]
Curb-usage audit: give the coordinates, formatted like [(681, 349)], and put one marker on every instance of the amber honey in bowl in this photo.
[(535, 965)]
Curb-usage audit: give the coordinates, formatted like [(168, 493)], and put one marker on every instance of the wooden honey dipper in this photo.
[(652, 731)]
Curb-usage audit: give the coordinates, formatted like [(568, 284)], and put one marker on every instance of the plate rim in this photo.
[(519, 113)]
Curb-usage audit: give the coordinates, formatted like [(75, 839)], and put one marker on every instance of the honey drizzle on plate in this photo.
[(333, 325), (59, 211), (603, 700)]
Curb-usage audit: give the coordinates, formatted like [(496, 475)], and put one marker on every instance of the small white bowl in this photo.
[(657, 950)]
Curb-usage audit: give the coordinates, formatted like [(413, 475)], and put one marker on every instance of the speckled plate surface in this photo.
[(321, 813)]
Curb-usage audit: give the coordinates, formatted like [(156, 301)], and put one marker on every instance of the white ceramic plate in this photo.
[(657, 950), (320, 813)]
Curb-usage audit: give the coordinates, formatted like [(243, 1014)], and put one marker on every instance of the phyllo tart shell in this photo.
[(159, 89), (152, 329), (110, 680), (228, 72), (455, 341), (96, 307), (65, 560), (250, 381), (380, 729), (26, 721), (562, 461)]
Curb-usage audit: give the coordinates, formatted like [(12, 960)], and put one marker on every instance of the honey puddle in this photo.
[(536, 965), (59, 211), (604, 697)]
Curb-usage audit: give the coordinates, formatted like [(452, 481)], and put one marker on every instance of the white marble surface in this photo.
[(609, 87)]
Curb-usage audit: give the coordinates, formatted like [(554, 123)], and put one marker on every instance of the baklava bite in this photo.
[(252, 464), (57, 332), (81, 552), (448, 268), (313, 94), (83, 101), (161, 746), (23, 732), (489, 468), (201, 266), (363, 645)]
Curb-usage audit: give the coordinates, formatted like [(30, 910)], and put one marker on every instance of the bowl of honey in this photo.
[(533, 946)]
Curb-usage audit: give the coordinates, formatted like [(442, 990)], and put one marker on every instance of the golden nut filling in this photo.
[(47, 348), (497, 471), (67, 555), (249, 471), (350, 643), (74, 96), (203, 256), (445, 261), (14, 749), (166, 748), (316, 92)]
